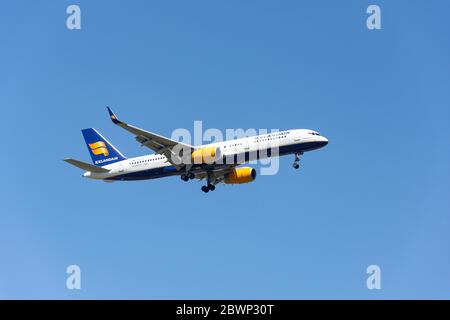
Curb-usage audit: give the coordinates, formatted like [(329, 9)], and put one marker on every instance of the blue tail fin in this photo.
[(102, 152)]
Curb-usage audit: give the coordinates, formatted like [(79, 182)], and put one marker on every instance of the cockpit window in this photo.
[(314, 133)]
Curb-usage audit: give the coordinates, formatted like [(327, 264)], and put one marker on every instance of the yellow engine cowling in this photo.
[(207, 155), (240, 175)]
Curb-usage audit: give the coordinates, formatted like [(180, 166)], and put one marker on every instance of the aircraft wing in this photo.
[(216, 175), (159, 144)]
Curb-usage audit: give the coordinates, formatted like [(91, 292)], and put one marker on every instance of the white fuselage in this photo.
[(157, 165)]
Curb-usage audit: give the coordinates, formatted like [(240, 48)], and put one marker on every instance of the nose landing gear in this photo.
[(296, 163)]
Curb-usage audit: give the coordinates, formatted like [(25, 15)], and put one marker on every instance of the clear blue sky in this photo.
[(377, 194)]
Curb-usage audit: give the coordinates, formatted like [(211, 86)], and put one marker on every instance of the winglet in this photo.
[(113, 116)]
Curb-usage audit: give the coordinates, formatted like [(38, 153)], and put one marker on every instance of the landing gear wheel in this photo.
[(191, 175), (205, 189), (296, 163), (184, 177), (211, 187)]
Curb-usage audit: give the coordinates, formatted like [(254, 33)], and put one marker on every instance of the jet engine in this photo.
[(240, 175), (207, 155)]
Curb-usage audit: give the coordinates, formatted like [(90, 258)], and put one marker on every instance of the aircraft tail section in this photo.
[(101, 150)]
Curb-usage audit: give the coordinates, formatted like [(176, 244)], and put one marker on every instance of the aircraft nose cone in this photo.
[(323, 141)]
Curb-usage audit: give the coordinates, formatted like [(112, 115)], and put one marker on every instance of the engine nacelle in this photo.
[(207, 155), (240, 175)]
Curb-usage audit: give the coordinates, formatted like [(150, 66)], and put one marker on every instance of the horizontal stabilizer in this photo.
[(85, 166)]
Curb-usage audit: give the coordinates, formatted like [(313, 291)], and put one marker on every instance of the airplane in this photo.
[(216, 162)]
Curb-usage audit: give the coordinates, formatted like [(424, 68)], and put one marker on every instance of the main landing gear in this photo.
[(296, 163), (209, 187), (186, 176), (189, 176)]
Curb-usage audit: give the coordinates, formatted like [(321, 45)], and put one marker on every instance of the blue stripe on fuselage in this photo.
[(147, 174)]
